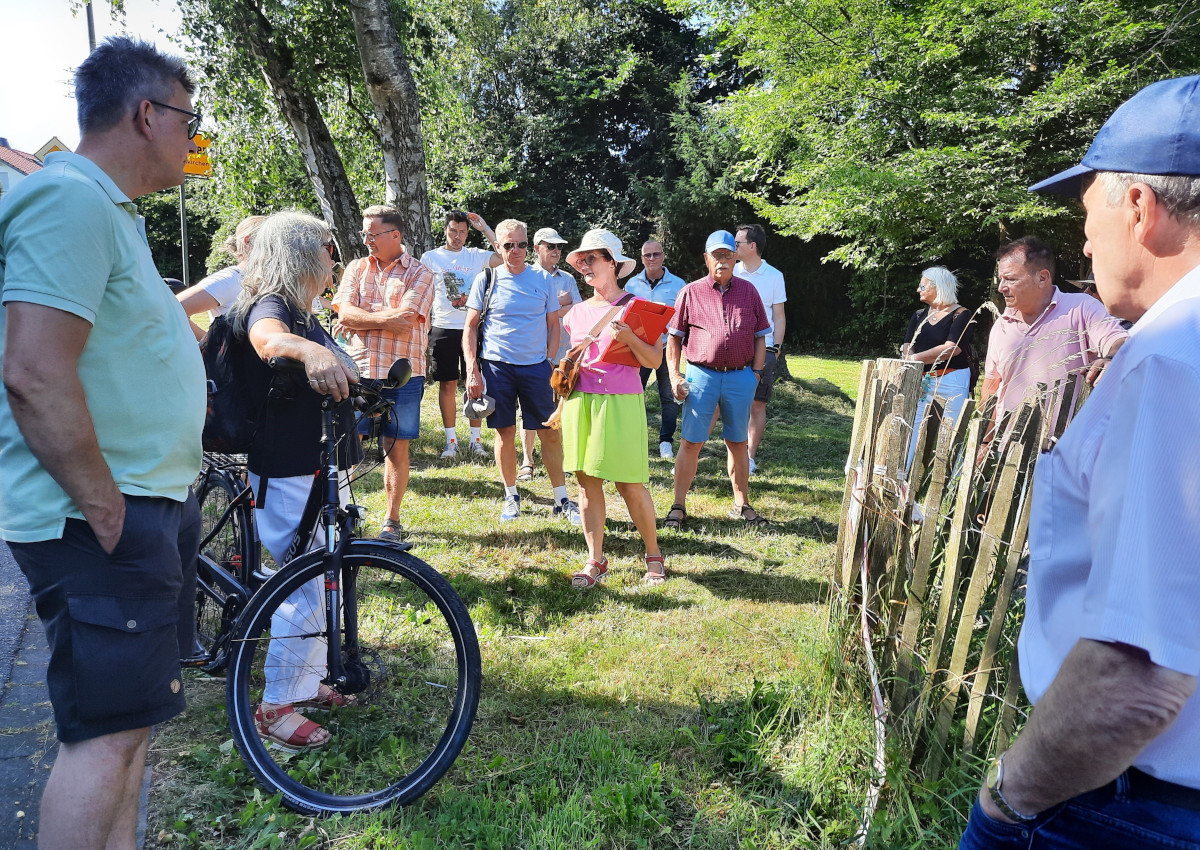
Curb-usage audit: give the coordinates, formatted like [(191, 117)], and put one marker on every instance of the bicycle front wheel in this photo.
[(415, 672)]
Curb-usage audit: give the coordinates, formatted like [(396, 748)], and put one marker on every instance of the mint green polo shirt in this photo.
[(71, 240)]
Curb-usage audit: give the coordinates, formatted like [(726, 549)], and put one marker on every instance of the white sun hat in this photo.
[(599, 239)]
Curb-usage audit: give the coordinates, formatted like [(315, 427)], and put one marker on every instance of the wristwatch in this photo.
[(995, 778)]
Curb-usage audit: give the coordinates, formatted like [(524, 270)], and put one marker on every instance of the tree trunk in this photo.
[(398, 109), (321, 158)]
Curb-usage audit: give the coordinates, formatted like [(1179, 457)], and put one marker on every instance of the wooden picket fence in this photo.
[(929, 561)]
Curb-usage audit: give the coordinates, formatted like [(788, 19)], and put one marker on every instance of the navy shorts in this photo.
[(767, 385), (113, 622), (508, 384), (402, 421)]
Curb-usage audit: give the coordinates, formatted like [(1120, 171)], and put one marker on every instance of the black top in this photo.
[(288, 440), (956, 328)]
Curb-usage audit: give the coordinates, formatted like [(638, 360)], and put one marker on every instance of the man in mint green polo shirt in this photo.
[(100, 428)]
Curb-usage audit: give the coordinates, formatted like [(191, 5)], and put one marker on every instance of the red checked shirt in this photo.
[(405, 284), (719, 327)]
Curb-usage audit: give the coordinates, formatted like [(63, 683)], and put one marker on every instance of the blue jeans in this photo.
[(709, 389), (1109, 818), (666, 399)]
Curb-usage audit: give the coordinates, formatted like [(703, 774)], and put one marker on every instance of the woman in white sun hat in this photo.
[(604, 420)]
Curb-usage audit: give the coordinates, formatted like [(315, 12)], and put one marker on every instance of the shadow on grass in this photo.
[(735, 583)]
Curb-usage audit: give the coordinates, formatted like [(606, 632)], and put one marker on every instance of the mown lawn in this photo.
[(696, 714)]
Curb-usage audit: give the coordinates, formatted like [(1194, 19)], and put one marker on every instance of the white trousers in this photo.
[(953, 387)]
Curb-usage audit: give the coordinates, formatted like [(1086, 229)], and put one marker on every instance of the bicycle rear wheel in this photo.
[(417, 670), (230, 547)]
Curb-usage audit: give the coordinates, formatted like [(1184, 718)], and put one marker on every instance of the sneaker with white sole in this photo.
[(451, 450), (512, 508), (478, 451), (664, 450), (569, 511)]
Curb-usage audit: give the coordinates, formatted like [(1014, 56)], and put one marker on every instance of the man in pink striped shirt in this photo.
[(1044, 334)]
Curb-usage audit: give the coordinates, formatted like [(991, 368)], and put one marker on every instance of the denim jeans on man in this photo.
[(666, 399)]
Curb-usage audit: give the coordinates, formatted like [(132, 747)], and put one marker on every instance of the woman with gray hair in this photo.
[(220, 289), (938, 337), (292, 261)]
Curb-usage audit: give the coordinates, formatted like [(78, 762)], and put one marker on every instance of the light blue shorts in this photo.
[(708, 389)]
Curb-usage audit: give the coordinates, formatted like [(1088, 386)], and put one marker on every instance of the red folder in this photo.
[(647, 319)]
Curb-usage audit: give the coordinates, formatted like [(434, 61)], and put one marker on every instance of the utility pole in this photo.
[(91, 28)]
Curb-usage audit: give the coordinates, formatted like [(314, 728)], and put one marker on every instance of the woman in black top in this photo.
[(290, 263), (937, 337)]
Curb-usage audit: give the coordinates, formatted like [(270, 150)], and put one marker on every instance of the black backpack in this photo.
[(234, 407)]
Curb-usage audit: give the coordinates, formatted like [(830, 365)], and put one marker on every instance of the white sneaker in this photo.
[(451, 450), (478, 450), (753, 466), (512, 508), (664, 450)]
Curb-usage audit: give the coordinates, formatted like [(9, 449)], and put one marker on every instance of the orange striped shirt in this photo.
[(405, 284)]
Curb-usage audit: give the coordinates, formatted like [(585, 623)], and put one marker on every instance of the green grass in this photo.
[(704, 713)]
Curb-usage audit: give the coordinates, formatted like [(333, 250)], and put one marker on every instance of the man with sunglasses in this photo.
[(100, 428), (656, 283), (383, 304), (454, 266), (518, 311)]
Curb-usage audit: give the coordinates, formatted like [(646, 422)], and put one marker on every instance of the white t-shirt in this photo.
[(223, 286), (768, 280), (563, 284), (453, 272)]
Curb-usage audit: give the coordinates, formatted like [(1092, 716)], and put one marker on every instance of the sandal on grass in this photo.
[(392, 530), (656, 569), (583, 579), (327, 698), (673, 521), (525, 473), (749, 516), (272, 723)]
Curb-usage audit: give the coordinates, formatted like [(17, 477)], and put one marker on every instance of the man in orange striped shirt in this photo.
[(383, 304)]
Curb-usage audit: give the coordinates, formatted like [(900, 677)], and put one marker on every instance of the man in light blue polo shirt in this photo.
[(656, 283), (520, 335), (100, 428)]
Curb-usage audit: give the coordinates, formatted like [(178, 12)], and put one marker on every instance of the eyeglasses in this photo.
[(508, 246), (331, 247), (588, 259), (740, 244), (721, 254), (192, 126), (371, 237), (653, 255), (550, 246), (923, 285)]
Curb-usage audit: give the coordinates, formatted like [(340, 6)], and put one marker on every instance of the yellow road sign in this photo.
[(197, 163)]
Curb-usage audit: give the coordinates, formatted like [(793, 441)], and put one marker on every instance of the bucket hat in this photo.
[(1157, 131), (478, 408), (599, 239)]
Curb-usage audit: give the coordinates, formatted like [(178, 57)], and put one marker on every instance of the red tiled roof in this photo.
[(23, 162)]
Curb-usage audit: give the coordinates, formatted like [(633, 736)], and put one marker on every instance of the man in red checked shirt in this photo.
[(721, 325), (383, 305)]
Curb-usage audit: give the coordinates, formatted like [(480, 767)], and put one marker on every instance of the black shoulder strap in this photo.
[(489, 281)]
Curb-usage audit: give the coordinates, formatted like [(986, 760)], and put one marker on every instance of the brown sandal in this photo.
[(328, 699), (266, 720), (655, 576), (749, 516), (675, 522)]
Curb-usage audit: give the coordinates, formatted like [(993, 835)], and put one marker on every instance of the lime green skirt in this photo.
[(604, 436)]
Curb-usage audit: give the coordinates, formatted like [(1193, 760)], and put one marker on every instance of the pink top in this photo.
[(597, 376), (1073, 331)]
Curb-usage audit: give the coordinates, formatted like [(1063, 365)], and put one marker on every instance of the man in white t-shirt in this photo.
[(454, 266), (548, 246), (750, 241)]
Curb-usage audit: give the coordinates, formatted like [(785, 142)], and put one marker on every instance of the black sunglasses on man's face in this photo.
[(193, 124)]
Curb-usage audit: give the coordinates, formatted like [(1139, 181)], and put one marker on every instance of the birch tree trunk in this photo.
[(303, 114), (393, 92)]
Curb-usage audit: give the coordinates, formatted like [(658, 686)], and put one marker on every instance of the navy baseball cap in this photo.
[(720, 239), (1157, 131)]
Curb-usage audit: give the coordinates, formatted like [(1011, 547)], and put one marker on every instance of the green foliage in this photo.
[(161, 211)]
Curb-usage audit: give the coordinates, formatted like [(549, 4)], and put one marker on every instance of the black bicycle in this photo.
[(390, 637)]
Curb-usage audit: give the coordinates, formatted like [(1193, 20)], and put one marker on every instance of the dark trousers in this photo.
[(666, 398)]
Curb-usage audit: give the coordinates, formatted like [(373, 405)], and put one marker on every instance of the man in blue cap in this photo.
[(1110, 648), (721, 325)]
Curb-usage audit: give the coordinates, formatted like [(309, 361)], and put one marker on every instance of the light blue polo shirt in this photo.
[(514, 328), (71, 240)]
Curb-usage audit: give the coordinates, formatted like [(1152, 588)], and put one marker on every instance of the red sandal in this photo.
[(328, 700), (267, 719), (655, 576), (584, 580)]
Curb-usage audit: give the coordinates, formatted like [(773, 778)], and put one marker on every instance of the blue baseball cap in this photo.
[(720, 239), (1157, 131)]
